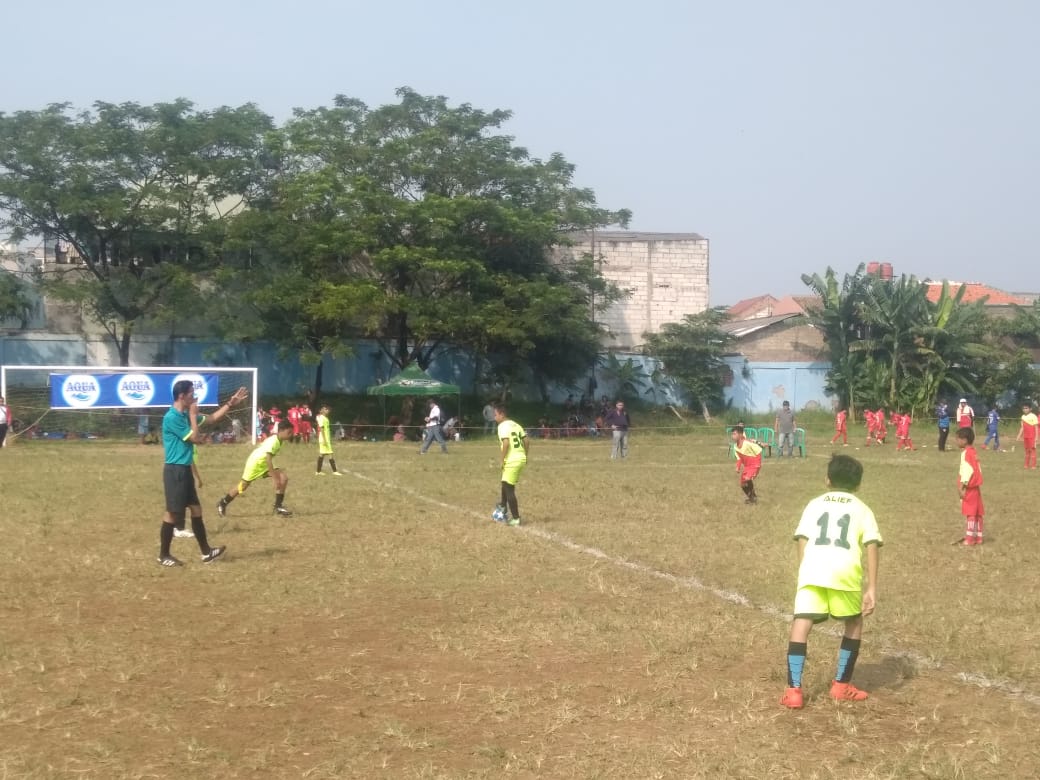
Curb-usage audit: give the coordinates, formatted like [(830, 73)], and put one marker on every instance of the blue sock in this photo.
[(796, 652), (847, 659)]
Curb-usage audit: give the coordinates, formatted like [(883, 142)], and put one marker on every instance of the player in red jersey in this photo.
[(840, 429), (902, 423), (306, 424), (880, 425), (868, 418), (749, 462), (293, 415), (969, 485), (1027, 434)]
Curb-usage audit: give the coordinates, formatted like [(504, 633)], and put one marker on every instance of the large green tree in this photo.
[(418, 224), (691, 352), (139, 193), (837, 315)]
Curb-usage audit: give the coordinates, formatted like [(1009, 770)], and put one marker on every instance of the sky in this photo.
[(794, 135)]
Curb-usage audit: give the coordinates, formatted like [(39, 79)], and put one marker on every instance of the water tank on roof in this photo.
[(886, 271), (873, 268)]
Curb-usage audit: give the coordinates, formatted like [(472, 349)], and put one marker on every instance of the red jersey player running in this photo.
[(902, 423), (749, 462), (1027, 434), (840, 430)]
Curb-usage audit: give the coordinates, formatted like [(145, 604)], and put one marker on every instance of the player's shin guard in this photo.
[(165, 539), (847, 655), (321, 460), (199, 529), (796, 652)]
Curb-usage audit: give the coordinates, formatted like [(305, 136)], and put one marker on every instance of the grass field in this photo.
[(635, 626)]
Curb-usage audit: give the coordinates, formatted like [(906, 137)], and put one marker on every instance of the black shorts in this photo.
[(179, 486)]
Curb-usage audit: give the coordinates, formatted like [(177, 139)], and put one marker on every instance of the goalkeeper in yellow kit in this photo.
[(513, 454)]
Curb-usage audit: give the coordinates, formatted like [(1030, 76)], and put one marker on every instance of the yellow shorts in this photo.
[(511, 472), (818, 603)]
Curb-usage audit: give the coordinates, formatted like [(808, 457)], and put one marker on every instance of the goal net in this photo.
[(83, 402)]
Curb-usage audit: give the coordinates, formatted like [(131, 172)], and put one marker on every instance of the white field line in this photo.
[(1009, 687)]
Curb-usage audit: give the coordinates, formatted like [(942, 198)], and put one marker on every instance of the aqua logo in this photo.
[(201, 386), (135, 390), (80, 390)]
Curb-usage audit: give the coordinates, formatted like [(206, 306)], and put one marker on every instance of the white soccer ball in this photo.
[(499, 514)]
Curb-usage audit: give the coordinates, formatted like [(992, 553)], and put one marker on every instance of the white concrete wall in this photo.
[(666, 273)]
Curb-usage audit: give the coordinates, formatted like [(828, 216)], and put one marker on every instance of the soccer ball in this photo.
[(499, 514)]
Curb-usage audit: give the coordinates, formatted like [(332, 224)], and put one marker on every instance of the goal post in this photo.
[(62, 401)]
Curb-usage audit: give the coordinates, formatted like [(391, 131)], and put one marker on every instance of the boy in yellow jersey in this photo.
[(324, 442), (260, 465), (832, 535), (513, 454), (749, 462)]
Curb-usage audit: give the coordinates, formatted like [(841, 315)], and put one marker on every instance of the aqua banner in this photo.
[(130, 390)]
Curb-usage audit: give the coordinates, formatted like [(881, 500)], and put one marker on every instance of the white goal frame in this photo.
[(250, 370)]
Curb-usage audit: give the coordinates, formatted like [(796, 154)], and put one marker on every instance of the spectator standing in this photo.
[(784, 426), (5, 420), (942, 414), (433, 431), (489, 417), (618, 422), (965, 415)]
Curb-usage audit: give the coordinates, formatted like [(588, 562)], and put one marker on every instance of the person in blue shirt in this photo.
[(180, 432), (942, 413), (992, 434)]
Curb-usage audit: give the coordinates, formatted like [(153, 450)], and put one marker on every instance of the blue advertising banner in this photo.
[(130, 390)]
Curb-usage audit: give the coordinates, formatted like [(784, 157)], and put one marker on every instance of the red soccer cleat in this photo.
[(847, 692), (792, 699)]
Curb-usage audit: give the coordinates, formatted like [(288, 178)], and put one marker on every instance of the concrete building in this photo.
[(666, 275)]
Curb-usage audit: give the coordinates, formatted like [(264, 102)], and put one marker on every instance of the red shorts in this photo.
[(750, 472), (971, 504), (1029, 444)]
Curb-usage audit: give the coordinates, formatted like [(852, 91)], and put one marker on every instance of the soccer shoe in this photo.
[(168, 560), (792, 699), (221, 509), (183, 533), (319, 473), (337, 473), (281, 510), (847, 692), (213, 554), (513, 522)]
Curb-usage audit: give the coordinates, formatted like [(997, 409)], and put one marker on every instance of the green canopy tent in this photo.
[(414, 381)]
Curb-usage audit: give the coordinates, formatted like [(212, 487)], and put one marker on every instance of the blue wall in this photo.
[(757, 387), (762, 387)]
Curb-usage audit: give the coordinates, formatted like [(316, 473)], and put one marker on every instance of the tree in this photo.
[(419, 225), (691, 352), (838, 317), (15, 301), (139, 193)]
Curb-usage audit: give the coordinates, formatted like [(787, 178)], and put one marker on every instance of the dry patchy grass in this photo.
[(632, 628)]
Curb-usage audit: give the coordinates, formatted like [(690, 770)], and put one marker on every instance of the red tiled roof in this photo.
[(976, 291), (749, 306)]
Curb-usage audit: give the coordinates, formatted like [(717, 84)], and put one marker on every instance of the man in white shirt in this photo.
[(433, 429), (5, 419)]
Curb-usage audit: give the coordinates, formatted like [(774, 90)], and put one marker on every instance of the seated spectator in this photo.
[(399, 434)]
